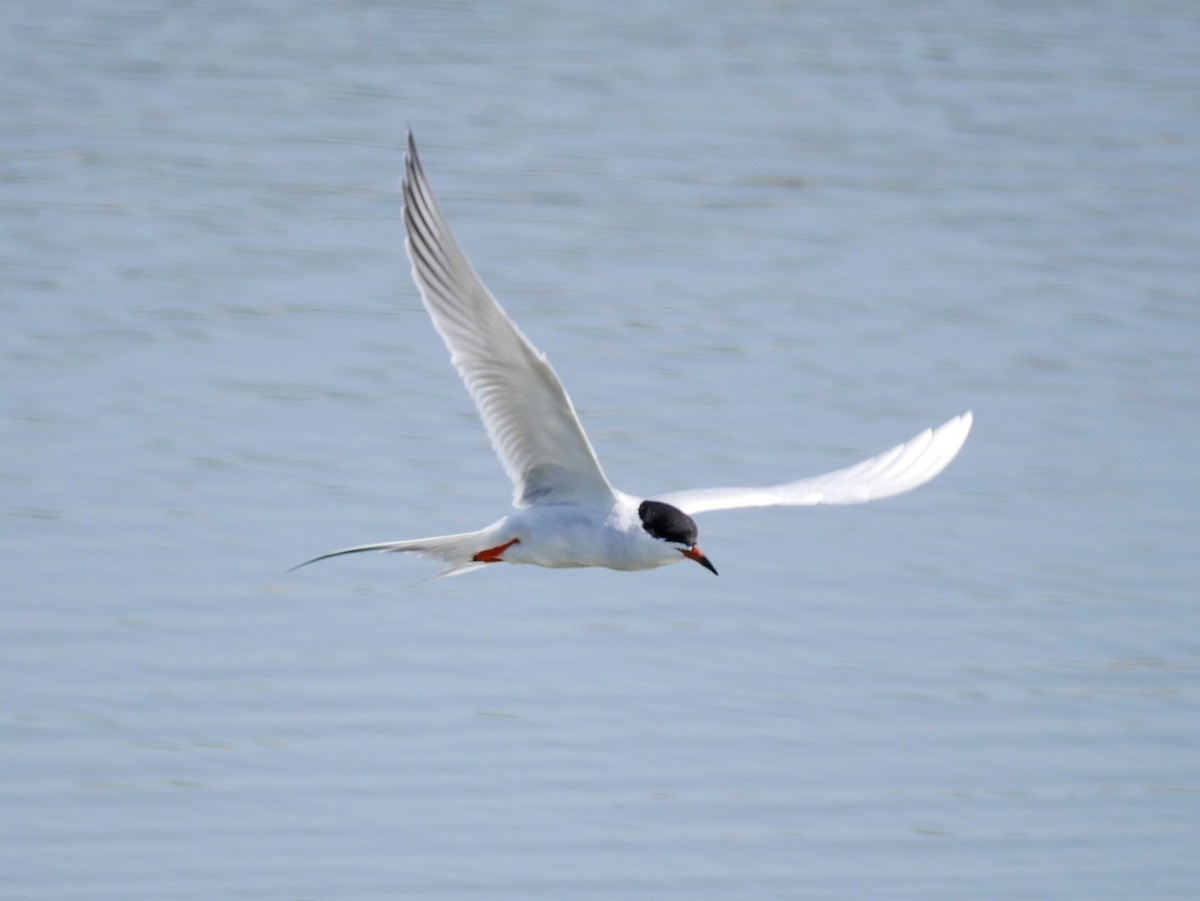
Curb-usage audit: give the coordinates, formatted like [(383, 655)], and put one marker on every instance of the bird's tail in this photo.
[(456, 551)]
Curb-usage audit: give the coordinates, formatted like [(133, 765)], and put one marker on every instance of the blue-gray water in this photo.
[(759, 241)]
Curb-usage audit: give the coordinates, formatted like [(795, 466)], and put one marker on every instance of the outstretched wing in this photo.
[(903, 468), (525, 408)]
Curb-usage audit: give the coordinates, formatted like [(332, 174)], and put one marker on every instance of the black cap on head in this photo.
[(668, 523)]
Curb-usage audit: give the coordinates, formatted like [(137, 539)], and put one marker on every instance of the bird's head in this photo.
[(676, 528)]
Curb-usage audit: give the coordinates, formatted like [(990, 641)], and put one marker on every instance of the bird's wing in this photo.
[(903, 468), (525, 408)]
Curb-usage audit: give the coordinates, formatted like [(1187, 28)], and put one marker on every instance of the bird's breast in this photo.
[(567, 535)]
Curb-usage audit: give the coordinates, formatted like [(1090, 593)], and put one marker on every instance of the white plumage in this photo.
[(566, 511)]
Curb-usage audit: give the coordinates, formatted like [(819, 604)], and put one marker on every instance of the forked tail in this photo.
[(456, 551)]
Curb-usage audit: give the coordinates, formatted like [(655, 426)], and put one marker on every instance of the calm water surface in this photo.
[(759, 241)]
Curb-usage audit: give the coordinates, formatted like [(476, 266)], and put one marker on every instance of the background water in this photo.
[(759, 240)]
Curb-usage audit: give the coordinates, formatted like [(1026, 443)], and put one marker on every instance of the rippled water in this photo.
[(758, 241)]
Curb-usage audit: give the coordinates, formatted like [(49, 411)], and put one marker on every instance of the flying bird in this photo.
[(566, 513)]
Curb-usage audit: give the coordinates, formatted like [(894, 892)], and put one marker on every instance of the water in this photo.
[(758, 242)]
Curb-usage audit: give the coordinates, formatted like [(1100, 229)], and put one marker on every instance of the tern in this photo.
[(566, 513)]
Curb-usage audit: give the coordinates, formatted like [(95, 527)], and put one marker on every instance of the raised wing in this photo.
[(525, 409), (903, 468)]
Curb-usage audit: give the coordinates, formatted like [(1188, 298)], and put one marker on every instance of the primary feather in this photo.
[(528, 416), (903, 468)]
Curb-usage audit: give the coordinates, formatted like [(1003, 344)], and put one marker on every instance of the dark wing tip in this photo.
[(412, 163)]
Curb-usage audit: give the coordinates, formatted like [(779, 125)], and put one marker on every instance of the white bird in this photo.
[(566, 512)]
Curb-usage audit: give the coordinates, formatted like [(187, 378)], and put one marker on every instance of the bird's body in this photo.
[(566, 512), (571, 535), (558, 536)]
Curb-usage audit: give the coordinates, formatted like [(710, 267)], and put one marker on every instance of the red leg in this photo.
[(492, 554)]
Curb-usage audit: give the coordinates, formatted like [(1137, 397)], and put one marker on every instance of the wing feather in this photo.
[(902, 468), (526, 411)]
